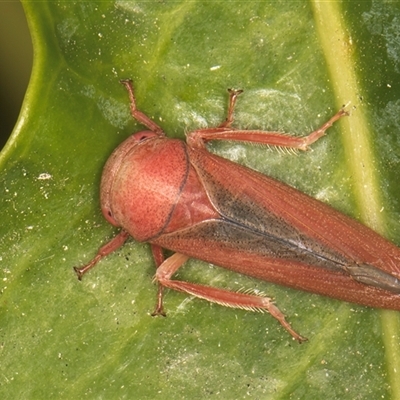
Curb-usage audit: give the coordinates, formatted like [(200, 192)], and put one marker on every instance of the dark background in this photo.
[(15, 64)]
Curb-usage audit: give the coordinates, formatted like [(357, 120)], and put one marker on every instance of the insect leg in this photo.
[(197, 138), (108, 248), (158, 257), (165, 270), (233, 94), (224, 131), (219, 296), (138, 115)]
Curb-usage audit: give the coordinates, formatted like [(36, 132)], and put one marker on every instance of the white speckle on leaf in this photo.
[(378, 23), (68, 28), (129, 6), (44, 176)]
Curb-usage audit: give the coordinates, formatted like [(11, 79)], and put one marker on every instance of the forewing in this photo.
[(268, 206)]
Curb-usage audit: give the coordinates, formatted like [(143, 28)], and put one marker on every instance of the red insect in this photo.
[(180, 197)]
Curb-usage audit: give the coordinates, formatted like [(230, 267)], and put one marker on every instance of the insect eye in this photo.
[(140, 136), (110, 214)]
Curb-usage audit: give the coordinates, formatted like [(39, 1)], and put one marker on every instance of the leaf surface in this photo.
[(95, 339)]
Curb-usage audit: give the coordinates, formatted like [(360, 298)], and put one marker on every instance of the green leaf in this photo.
[(297, 62)]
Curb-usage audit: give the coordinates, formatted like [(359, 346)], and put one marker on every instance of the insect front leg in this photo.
[(138, 115), (224, 131), (220, 296), (108, 248)]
